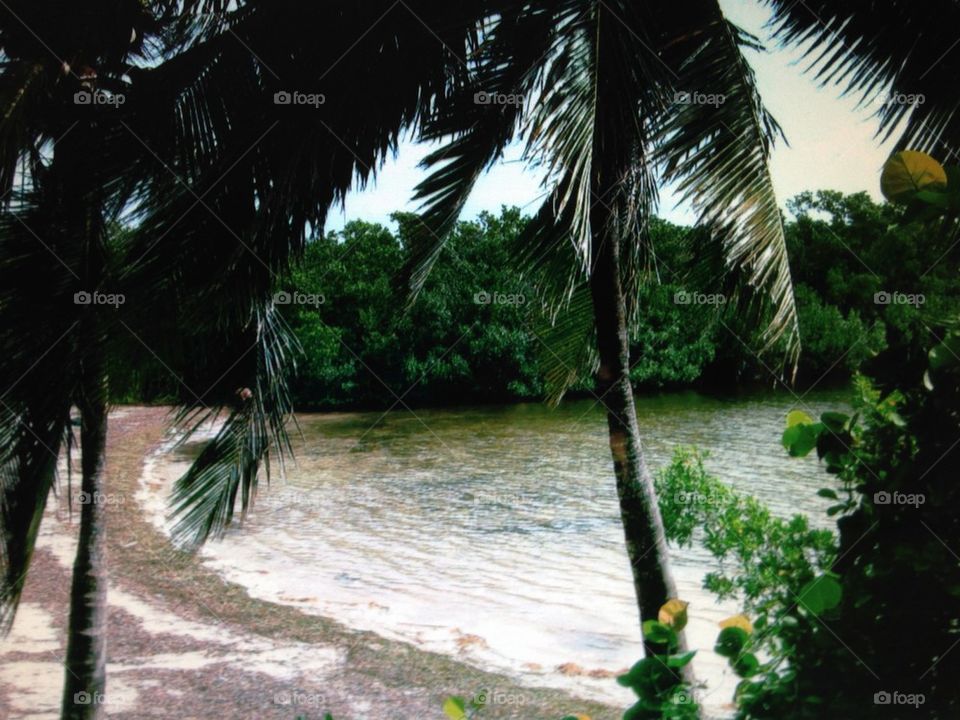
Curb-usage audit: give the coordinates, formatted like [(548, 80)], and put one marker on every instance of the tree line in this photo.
[(474, 335)]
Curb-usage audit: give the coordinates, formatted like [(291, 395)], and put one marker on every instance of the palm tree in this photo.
[(59, 90), (617, 95), (176, 128), (68, 144)]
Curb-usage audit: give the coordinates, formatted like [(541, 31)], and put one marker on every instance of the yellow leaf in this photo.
[(674, 613), (454, 708), (907, 172), (738, 621), (798, 417)]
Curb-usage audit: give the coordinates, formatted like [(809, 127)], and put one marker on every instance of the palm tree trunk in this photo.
[(639, 511), (85, 686)]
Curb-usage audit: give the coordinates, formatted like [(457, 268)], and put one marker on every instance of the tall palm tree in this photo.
[(62, 77), (221, 183), (68, 152), (618, 95)]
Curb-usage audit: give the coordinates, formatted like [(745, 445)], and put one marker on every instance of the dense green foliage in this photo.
[(475, 335), (778, 568), (854, 257), (467, 338), (764, 560), (894, 465), (864, 284)]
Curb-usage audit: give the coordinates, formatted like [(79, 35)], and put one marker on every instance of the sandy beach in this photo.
[(185, 644)]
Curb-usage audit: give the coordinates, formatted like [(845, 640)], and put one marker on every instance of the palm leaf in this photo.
[(38, 345), (883, 49), (718, 154), (567, 351), (204, 499), (507, 63), (30, 441)]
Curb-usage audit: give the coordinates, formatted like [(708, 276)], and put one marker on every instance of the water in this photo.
[(492, 533)]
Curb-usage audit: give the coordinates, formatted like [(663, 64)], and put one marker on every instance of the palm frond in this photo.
[(560, 133), (204, 499), (592, 132), (883, 51), (508, 64), (37, 345), (567, 351), (30, 442), (717, 141), (221, 145)]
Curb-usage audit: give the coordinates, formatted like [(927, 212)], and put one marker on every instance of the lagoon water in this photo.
[(492, 533)]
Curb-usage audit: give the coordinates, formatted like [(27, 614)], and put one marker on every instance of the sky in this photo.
[(832, 145)]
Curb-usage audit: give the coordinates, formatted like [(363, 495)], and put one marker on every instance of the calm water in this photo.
[(492, 533)]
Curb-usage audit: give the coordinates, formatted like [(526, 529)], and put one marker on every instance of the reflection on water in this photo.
[(493, 534)]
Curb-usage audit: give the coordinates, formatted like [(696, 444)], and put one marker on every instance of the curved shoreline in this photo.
[(186, 643)]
